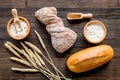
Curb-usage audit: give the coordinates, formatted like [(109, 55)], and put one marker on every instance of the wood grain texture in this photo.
[(74, 3), (12, 3), (107, 11)]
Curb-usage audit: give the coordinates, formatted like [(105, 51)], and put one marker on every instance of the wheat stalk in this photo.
[(12, 50), (30, 56), (47, 73), (13, 46), (39, 58), (43, 45), (41, 62), (32, 60), (20, 61), (24, 69), (35, 58), (33, 47)]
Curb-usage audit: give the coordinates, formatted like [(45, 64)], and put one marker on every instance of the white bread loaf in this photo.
[(90, 58), (62, 38)]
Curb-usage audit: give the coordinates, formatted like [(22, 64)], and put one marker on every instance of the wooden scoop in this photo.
[(16, 19), (76, 16)]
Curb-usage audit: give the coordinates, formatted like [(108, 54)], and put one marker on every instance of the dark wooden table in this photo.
[(107, 11)]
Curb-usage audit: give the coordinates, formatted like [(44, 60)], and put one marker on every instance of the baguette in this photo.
[(90, 58)]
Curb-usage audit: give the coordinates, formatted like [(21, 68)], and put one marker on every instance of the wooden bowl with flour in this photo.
[(18, 27), (94, 31)]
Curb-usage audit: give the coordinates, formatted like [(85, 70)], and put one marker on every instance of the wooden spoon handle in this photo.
[(89, 15), (15, 15)]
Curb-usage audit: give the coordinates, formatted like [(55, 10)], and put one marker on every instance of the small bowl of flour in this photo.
[(15, 31), (94, 32)]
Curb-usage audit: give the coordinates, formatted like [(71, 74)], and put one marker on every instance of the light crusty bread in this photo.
[(90, 58), (62, 38)]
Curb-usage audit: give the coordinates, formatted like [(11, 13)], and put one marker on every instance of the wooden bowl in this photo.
[(24, 35), (97, 23)]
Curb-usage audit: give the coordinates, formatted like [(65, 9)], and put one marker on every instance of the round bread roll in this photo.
[(90, 58)]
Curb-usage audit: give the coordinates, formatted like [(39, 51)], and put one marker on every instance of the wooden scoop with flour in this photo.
[(18, 27)]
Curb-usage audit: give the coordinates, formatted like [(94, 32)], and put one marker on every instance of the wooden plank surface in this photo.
[(107, 11)]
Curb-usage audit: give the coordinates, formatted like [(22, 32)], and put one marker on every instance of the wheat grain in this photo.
[(36, 50), (29, 59), (31, 55), (27, 51), (25, 47), (39, 58), (40, 39), (15, 47), (24, 70), (20, 61), (12, 50), (33, 47), (36, 59)]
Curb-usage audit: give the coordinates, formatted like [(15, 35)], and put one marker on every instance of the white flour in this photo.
[(20, 32), (94, 32)]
